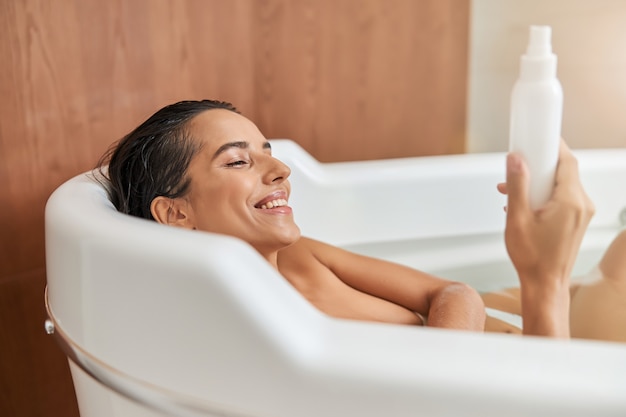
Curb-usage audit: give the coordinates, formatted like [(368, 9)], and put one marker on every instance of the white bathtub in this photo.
[(201, 325), (440, 214)]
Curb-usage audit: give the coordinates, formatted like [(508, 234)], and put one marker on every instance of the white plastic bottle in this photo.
[(536, 113)]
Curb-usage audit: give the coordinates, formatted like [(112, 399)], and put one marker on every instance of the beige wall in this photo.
[(589, 38)]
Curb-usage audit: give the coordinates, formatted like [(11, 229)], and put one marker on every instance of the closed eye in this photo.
[(237, 163)]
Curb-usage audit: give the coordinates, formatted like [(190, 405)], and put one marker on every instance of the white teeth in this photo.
[(274, 203)]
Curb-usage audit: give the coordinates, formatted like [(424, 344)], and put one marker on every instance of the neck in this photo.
[(270, 253), (271, 257)]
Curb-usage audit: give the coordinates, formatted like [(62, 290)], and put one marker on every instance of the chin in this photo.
[(290, 238)]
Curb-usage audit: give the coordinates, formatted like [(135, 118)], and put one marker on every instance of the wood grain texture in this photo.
[(34, 375), (79, 77), (347, 79), (363, 79)]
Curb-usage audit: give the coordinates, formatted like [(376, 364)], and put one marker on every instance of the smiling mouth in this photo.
[(279, 202)]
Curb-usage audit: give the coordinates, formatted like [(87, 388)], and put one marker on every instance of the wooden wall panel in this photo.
[(34, 375), (348, 79), (74, 78), (363, 79), (78, 77)]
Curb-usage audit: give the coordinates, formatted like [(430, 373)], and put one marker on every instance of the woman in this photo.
[(201, 165)]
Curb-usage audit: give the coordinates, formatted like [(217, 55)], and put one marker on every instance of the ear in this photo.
[(172, 211)]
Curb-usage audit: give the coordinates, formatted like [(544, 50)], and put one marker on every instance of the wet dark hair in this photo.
[(153, 159)]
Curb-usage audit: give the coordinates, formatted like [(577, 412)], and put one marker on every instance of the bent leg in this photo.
[(506, 300), (598, 307), (598, 302)]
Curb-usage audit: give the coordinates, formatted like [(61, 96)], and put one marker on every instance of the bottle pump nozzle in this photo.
[(539, 42), (538, 63)]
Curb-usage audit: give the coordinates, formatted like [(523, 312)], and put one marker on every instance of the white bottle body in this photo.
[(535, 123), (536, 113)]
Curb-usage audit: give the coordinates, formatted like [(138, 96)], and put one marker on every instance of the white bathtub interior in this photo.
[(442, 214), (204, 316)]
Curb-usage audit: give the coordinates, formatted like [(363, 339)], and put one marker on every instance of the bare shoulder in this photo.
[(311, 258), (297, 257), (302, 253), (310, 245), (302, 265)]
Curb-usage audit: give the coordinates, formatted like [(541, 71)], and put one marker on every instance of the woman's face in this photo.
[(237, 187)]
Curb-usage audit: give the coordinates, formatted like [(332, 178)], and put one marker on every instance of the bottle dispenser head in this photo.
[(539, 43), (538, 63)]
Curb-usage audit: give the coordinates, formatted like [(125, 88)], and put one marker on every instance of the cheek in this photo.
[(220, 209)]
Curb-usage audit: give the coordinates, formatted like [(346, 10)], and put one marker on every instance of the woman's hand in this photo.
[(543, 244)]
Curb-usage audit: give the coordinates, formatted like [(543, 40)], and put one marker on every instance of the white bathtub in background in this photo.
[(439, 214), (204, 317)]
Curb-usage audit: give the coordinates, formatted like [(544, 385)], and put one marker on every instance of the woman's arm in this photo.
[(543, 244), (446, 303)]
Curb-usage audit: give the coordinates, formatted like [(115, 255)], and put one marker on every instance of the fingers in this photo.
[(502, 189), (568, 185), (567, 181), (516, 187)]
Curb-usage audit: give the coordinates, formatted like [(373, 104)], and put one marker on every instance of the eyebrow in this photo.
[(238, 144)]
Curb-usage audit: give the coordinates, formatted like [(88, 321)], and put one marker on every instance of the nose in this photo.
[(276, 171)]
